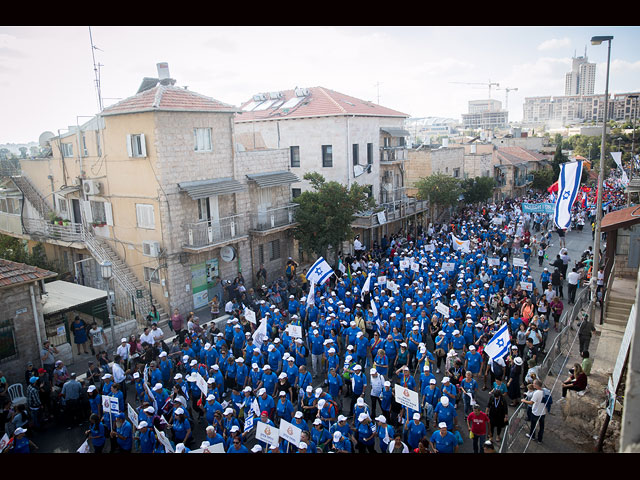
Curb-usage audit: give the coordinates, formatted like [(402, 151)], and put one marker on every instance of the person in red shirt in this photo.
[(479, 425)]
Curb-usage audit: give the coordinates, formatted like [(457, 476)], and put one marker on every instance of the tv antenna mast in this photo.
[(96, 69)]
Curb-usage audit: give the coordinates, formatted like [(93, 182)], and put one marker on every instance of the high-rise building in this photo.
[(582, 77)]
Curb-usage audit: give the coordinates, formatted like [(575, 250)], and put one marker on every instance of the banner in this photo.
[(319, 272), (250, 315), (311, 298), (110, 404), (162, 438), (493, 262), (463, 245), (569, 184), (290, 432), (267, 433), (448, 266), (407, 398), (527, 286), (538, 207)]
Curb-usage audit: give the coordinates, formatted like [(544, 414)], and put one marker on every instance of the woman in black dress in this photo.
[(498, 412), (513, 385)]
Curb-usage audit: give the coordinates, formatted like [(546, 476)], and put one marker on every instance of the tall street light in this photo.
[(106, 270), (596, 243)]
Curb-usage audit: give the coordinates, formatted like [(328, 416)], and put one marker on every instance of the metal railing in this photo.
[(274, 218), (207, 232), (514, 439), (393, 154), (66, 231)]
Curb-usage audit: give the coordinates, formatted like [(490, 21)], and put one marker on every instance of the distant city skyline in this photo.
[(47, 78)]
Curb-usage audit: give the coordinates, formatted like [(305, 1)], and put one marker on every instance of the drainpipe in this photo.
[(36, 319)]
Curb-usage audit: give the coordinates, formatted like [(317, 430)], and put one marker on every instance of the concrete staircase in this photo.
[(33, 195)]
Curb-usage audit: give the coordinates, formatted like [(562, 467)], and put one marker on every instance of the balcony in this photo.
[(273, 219), (64, 231), (392, 155), (208, 234), (390, 212), (523, 180)]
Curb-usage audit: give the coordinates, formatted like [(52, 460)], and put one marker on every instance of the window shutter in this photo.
[(129, 149), (86, 210), (108, 213), (143, 145)]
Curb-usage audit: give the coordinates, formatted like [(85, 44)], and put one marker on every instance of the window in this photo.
[(67, 150), (327, 155), (369, 153), (10, 205), (85, 152), (136, 146), (97, 212), (63, 206), (296, 192), (8, 345), (145, 216), (261, 254), (202, 139), (151, 275), (294, 152), (456, 172), (356, 150), (275, 250)]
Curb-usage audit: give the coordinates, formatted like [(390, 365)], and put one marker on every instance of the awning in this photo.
[(273, 179), (209, 188), (66, 190), (62, 296), (395, 131)]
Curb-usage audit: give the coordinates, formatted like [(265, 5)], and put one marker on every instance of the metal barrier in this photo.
[(514, 439)]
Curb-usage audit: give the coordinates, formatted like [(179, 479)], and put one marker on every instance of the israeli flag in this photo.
[(499, 344), (248, 423), (319, 272), (568, 187)]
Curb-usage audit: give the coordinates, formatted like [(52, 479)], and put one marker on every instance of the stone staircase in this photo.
[(618, 310)]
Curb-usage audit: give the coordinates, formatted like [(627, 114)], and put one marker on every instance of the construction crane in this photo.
[(490, 84), (506, 95)]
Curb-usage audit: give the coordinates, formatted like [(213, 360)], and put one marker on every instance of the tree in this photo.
[(543, 179), (440, 189), (325, 215), (479, 189)]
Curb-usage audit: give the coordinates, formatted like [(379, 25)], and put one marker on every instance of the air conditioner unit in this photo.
[(91, 187), (151, 249)]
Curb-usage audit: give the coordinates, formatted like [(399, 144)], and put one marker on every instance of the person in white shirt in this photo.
[(538, 410), (377, 385), (572, 279), (119, 374), (124, 350), (147, 337), (157, 333)]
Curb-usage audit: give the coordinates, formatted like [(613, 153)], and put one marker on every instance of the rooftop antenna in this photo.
[(377, 85), (96, 69)]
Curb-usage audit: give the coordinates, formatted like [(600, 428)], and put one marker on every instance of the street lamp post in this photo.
[(596, 243), (634, 98), (106, 270)]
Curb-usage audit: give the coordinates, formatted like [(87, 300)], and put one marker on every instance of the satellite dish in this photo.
[(357, 170), (43, 139)]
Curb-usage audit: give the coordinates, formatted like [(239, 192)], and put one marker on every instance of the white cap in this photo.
[(342, 418), (228, 411), (179, 411), (381, 418), (142, 424), (444, 400), (362, 417), (416, 416), (298, 414), (337, 436), (442, 425), (317, 421), (256, 448)]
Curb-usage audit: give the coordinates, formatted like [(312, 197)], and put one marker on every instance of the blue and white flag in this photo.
[(367, 286), (311, 298), (319, 271), (568, 188), (617, 157), (499, 344)]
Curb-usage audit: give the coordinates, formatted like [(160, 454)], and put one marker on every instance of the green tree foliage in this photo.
[(441, 190), (479, 189), (543, 179), (325, 214), (15, 250)]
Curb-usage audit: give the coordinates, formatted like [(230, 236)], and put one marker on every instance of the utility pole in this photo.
[(96, 69)]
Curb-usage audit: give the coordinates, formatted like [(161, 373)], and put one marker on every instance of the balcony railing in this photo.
[(393, 154), (273, 218), (65, 231), (392, 211), (523, 180), (207, 232)]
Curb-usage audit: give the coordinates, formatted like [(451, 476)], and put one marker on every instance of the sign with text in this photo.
[(202, 384), (538, 207), (162, 438), (443, 309), (110, 404), (527, 286), (217, 448), (267, 433), (448, 266), (407, 398), (295, 331), (133, 415), (493, 262), (519, 262), (290, 432)]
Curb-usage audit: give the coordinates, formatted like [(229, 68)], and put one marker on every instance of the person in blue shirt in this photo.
[(147, 437), (445, 412), (210, 408), (269, 380), (366, 434), (284, 407), (96, 433), (320, 435), (415, 430), (115, 392), (469, 386), (430, 399), (236, 446), (443, 441), (21, 443), (266, 402), (358, 384), (341, 443), (473, 360), (181, 427), (123, 433), (335, 383)]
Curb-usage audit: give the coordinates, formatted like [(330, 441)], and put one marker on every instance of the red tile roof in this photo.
[(168, 98), (319, 103), (624, 217), (13, 273), (516, 155)]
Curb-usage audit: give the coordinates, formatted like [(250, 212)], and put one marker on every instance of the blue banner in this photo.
[(538, 207)]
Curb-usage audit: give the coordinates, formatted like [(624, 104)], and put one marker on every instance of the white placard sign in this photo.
[(443, 309), (110, 404), (493, 262), (382, 280), (382, 218), (430, 247), (295, 331), (415, 267), (133, 415), (250, 315), (407, 398), (519, 262), (290, 432), (404, 264), (84, 448), (267, 433), (217, 448), (527, 286), (162, 438), (202, 384), (448, 266)]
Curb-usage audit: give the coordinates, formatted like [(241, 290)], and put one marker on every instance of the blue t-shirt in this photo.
[(446, 444)]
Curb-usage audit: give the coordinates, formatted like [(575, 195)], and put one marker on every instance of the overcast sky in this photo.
[(47, 73)]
